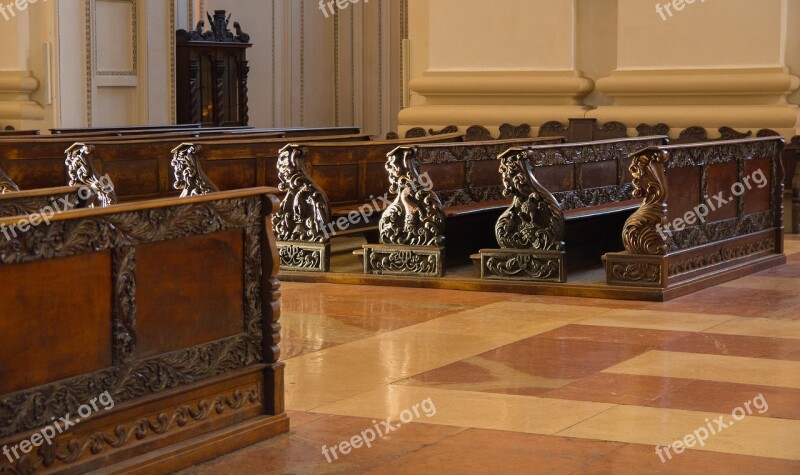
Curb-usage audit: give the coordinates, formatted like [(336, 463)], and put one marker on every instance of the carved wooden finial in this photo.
[(190, 178), (81, 172)]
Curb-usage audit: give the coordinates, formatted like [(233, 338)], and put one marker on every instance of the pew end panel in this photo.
[(711, 212), (115, 302), (583, 186)]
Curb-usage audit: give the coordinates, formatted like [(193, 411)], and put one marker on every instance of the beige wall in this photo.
[(713, 63), (474, 62)]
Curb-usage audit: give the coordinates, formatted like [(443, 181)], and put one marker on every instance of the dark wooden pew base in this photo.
[(586, 283), (170, 432), (667, 272)]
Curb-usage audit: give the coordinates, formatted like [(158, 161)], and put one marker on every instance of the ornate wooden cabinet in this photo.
[(212, 73)]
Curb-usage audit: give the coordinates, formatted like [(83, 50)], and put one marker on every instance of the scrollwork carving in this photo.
[(644, 272), (190, 178), (553, 127), (641, 234), (124, 317), (508, 131), (416, 217), (450, 129), (71, 450), (522, 266), (645, 130), (727, 133), (478, 133), (399, 262), (416, 133), (305, 210), (693, 134)]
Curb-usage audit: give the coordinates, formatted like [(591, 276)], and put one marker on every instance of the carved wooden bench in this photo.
[(328, 186), (705, 213), (185, 362), (140, 167), (580, 190), (433, 184)]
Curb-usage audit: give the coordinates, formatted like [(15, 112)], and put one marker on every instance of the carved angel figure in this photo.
[(189, 174), (535, 219), (305, 210), (416, 217)]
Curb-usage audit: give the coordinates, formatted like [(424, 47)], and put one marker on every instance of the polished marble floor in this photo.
[(501, 383)]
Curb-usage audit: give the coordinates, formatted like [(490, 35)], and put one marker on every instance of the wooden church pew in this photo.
[(692, 226), (114, 305), (449, 213), (334, 191), (140, 168), (569, 204)]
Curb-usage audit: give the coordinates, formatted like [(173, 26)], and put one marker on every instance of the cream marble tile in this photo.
[(732, 369), (509, 319), (756, 436), (469, 409), (765, 327), (335, 373), (791, 246), (655, 320)]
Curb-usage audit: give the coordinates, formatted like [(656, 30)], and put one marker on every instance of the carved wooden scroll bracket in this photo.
[(190, 179), (81, 172), (643, 234), (412, 227), (302, 225), (530, 232)]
